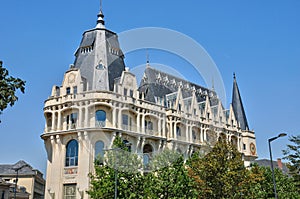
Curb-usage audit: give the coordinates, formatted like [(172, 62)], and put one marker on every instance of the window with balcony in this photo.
[(100, 116), (72, 154), (126, 122), (72, 120), (148, 126)]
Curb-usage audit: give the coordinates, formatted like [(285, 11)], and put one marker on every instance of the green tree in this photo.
[(263, 186), (292, 154), (220, 173), (9, 86), (126, 165), (169, 178)]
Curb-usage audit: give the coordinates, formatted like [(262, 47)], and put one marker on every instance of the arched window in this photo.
[(147, 152), (178, 131), (72, 153), (194, 135), (99, 152), (100, 118)]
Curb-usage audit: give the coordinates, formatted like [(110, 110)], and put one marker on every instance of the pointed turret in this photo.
[(238, 107), (99, 57)]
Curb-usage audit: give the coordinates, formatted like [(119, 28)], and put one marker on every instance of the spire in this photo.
[(238, 107), (100, 20)]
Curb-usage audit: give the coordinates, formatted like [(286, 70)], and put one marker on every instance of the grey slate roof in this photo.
[(158, 84), (99, 46), (238, 107), (8, 169)]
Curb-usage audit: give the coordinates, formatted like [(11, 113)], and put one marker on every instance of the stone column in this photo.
[(86, 117), (187, 134), (59, 127), (159, 130), (138, 118), (120, 119), (80, 117), (53, 121), (143, 123), (114, 114)]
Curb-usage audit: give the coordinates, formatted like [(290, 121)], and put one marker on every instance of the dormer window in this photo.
[(100, 66)]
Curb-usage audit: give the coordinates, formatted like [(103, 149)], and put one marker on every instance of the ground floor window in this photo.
[(70, 191)]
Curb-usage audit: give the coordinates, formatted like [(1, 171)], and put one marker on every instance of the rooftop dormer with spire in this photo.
[(238, 107), (99, 57)]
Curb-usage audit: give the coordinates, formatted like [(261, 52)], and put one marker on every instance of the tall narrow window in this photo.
[(72, 153), (178, 131), (194, 135), (131, 93), (75, 90), (147, 153), (70, 191), (126, 122), (72, 120), (68, 90), (99, 152), (100, 118), (125, 92)]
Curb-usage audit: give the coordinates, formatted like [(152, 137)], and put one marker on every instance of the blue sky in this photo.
[(258, 40)]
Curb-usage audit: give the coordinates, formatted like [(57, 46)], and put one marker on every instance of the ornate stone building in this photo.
[(100, 99)]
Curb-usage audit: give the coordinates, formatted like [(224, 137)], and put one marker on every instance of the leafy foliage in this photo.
[(292, 154), (118, 161), (9, 85), (264, 188), (220, 173), (170, 178)]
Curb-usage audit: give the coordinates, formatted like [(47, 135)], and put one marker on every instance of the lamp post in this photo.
[(272, 168), (115, 167), (17, 177)]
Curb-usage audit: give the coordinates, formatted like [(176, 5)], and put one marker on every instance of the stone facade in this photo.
[(85, 114)]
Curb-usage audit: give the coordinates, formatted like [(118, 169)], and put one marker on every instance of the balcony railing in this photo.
[(151, 132), (128, 127), (70, 170), (100, 124), (71, 126), (182, 138)]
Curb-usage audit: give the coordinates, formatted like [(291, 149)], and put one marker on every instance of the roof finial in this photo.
[(234, 77), (147, 57), (213, 83), (100, 21), (100, 5)]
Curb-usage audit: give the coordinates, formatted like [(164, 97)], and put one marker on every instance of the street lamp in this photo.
[(127, 144), (17, 177), (272, 168)]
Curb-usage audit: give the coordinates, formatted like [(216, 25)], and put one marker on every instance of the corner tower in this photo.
[(99, 57)]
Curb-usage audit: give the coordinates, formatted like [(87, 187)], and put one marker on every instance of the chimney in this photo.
[(279, 163)]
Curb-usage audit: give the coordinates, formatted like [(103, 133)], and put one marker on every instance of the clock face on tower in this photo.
[(71, 78), (252, 148)]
